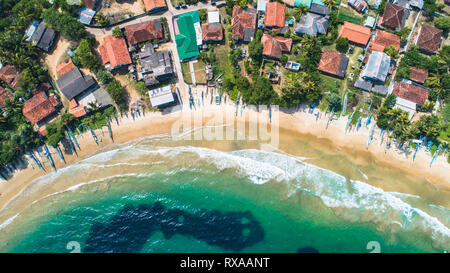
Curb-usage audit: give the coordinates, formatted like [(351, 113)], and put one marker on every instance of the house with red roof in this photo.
[(380, 41), (152, 6), (394, 17), (383, 39), (9, 74), (64, 67), (243, 24), (40, 108), (410, 92), (275, 46), (91, 4), (5, 95), (114, 53), (429, 39), (143, 32), (212, 32), (275, 16), (333, 63), (418, 75), (355, 34)]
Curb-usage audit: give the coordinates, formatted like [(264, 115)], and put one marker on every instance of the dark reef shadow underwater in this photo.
[(131, 227)]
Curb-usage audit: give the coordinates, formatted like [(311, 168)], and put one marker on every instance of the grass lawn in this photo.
[(186, 72), (177, 2), (200, 74)]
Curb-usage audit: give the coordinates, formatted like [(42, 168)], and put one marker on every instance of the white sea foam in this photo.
[(8, 221), (350, 199)]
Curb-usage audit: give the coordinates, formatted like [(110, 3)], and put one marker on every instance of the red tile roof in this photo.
[(142, 32), (330, 62), (410, 92), (393, 16), (89, 4), (355, 33), (9, 74), (429, 38), (4, 96), (42, 131), (275, 46), (115, 52), (41, 88), (212, 32), (275, 16), (76, 109), (242, 20), (384, 39), (64, 67), (418, 74), (38, 108), (151, 4)]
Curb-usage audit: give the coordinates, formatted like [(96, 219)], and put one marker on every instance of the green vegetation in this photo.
[(115, 90), (342, 44), (391, 51), (117, 32), (203, 15), (85, 57), (16, 133), (404, 33), (442, 23), (101, 19), (67, 25)]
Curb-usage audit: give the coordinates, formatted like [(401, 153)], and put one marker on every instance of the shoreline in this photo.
[(300, 122)]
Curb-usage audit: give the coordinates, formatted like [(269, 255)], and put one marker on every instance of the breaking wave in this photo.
[(351, 200)]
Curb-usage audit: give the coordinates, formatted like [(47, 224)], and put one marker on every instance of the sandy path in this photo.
[(52, 59)]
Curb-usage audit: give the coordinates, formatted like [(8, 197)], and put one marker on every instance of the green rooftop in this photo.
[(186, 39), (307, 3)]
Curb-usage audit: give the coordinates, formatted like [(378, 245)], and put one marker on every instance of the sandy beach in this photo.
[(352, 143)]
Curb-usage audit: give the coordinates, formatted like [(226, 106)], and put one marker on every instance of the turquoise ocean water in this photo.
[(157, 195)]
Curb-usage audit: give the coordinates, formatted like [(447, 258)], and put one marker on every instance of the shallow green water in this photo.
[(291, 204)]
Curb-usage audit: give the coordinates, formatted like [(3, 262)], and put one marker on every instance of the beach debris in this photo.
[(72, 135), (382, 136), (59, 153), (344, 106), (370, 136), (369, 119), (93, 135), (117, 121), (31, 154), (28, 162), (109, 129), (331, 117), (40, 157), (49, 156), (416, 149), (270, 113), (237, 102), (429, 145), (72, 148), (358, 124), (436, 154), (348, 121)]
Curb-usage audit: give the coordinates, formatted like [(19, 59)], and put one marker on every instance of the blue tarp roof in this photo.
[(86, 16), (262, 6), (312, 24), (377, 68)]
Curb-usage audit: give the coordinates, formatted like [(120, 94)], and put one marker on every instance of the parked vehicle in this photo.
[(177, 6), (183, 6), (217, 99)]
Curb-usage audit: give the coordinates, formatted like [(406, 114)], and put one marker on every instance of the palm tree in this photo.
[(93, 106), (330, 3)]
